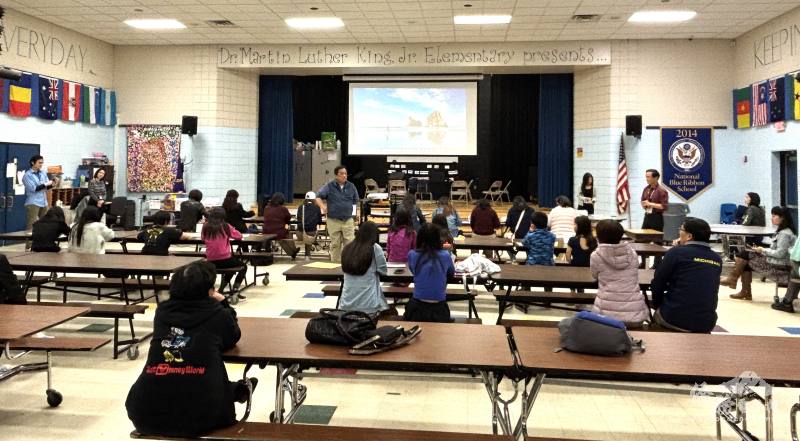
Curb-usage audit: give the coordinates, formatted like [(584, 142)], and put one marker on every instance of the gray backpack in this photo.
[(595, 334)]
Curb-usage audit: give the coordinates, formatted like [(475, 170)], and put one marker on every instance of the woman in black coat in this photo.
[(183, 390)]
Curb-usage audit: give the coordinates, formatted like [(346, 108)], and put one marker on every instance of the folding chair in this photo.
[(494, 190)]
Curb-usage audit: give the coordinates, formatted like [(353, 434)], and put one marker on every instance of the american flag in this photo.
[(760, 109), (623, 190)]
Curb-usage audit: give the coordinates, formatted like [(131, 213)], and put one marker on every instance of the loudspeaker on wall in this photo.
[(189, 125), (633, 125)]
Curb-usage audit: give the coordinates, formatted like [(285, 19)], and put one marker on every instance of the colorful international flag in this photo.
[(776, 90), (19, 96), (99, 106), (71, 101), (49, 93), (85, 103), (760, 104), (793, 95), (623, 189), (110, 110), (741, 108), (4, 95)]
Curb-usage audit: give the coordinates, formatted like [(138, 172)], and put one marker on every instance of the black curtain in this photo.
[(514, 142), (516, 115), (275, 136)]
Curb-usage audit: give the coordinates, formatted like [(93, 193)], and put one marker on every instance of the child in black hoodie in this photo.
[(183, 390)]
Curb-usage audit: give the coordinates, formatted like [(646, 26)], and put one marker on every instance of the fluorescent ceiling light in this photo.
[(315, 22), (661, 16), (481, 19), (155, 23)]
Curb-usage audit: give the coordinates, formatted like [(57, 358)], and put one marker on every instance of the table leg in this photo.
[(768, 411), (528, 399), (793, 421), (503, 304), (499, 415), (277, 415)]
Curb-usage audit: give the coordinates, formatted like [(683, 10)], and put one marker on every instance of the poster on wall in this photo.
[(687, 160), (153, 156)]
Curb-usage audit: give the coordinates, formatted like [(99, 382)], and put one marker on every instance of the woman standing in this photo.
[(97, 187), (772, 262), (587, 197)]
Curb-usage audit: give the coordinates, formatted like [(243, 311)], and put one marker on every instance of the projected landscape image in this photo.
[(410, 118)]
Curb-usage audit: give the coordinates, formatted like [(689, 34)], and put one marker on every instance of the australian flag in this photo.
[(49, 96), (777, 104)]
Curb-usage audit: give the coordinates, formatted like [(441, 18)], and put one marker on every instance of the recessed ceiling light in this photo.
[(467, 5), (315, 22), (482, 19), (138, 10), (661, 16), (155, 23), (314, 8)]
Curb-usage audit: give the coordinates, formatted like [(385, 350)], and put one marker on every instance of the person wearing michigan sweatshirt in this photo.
[(686, 282)]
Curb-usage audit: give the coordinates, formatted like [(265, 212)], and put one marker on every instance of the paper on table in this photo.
[(354, 210), (459, 239), (11, 170), (395, 265), (323, 265)]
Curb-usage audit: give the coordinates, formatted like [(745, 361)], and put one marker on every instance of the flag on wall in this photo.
[(776, 91), (760, 103), (110, 118), (741, 108), (100, 105), (92, 98), (19, 96), (623, 190), (87, 96), (793, 96), (48, 90), (71, 101), (3, 95)]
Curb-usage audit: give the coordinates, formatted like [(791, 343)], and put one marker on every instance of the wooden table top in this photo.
[(644, 235), (17, 321), (668, 357), (14, 254), (93, 263), (557, 276), (439, 347), (194, 239), (742, 230)]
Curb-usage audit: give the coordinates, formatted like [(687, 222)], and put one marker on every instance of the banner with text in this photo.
[(687, 160), (563, 53)]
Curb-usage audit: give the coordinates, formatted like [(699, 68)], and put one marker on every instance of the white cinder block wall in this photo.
[(223, 154), (678, 83)]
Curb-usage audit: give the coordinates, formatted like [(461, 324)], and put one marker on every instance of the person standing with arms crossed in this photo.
[(36, 185), (654, 201), (338, 199)]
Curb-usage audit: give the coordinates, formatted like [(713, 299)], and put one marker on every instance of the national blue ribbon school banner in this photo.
[(687, 160)]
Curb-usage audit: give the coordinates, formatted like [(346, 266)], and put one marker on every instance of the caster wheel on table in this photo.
[(265, 281), (133, 352), (272, 417), (233, 300), (54, 398)]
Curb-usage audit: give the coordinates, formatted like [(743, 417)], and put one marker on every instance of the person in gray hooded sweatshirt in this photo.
[(616, 267)]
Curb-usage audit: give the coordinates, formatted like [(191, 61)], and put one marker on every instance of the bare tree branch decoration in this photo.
[(2, 13)]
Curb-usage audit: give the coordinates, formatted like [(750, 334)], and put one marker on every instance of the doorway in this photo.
[(788, 188)]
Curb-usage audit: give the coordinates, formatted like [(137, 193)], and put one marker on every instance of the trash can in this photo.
[(674, 215)]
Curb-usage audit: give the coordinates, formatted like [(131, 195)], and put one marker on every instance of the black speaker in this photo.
[(633, 125), (189, 125)]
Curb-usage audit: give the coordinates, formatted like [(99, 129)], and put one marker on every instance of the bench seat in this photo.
[(547, 297), (111, 282), (248, 431), (400, 292), (116, 312), (71, 344)]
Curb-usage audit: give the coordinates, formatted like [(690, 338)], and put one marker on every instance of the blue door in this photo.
[(12, 206), (789, 188)]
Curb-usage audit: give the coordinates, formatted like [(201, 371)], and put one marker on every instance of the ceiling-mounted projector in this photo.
[(10, 74)]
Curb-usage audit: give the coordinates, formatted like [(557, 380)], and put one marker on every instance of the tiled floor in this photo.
[(94, 387)]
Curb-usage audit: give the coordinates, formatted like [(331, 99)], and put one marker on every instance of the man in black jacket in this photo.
[(686, 282), (10, 290), (183, 390)]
